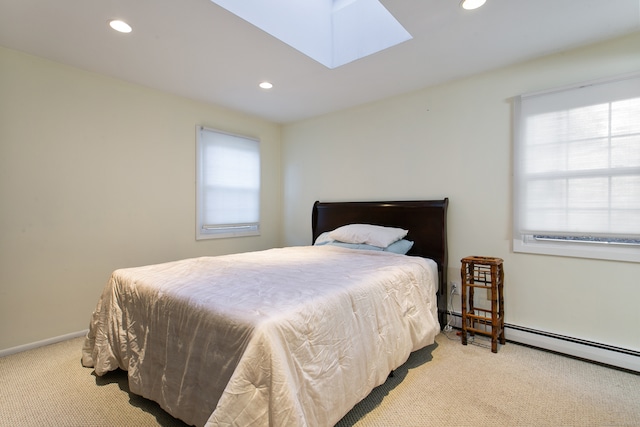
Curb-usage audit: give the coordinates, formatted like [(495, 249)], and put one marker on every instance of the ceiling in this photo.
[(199, 50)]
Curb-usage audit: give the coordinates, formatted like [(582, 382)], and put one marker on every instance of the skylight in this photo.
[(332, 32)]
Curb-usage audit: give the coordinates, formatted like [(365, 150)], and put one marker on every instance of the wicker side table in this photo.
[(484, 273)]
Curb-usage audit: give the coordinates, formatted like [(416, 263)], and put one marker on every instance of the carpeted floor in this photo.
[(446, 384)]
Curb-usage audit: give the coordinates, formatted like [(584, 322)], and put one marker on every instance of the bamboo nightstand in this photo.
[(483, 273)]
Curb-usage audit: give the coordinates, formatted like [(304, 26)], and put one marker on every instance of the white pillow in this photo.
[(375, 235)]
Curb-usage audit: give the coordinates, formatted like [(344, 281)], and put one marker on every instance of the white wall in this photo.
[(97, 174), (454, 141)]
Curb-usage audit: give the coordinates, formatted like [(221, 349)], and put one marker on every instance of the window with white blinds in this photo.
[(228, 185), (577, 171)]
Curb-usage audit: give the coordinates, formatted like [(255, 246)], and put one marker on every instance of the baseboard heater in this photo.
[(582, 349)]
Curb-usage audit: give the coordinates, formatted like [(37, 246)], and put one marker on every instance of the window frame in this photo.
[(218, 231), (538, 243)]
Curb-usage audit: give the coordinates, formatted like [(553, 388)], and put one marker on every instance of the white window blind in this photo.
[(577, 165), (228, 185)]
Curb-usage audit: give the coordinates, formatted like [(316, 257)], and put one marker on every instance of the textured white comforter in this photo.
[(284, 337)]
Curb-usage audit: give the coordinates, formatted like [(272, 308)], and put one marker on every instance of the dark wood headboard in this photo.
[(426, 221)]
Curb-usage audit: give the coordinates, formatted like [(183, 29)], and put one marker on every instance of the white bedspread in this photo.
[(284, 337)]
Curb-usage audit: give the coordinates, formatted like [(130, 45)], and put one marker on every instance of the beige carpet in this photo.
[(446, 384)]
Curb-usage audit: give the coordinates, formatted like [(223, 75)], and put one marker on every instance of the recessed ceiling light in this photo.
[(266, 85), (472, 4), (120, 26)]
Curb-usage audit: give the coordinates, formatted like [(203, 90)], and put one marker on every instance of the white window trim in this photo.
[(530, 245), (219, 231)]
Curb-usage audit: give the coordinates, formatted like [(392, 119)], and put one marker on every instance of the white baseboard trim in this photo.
[(48, 341), (582, 349), (596, 352)]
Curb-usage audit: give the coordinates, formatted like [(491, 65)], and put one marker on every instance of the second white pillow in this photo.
[(375, 235)]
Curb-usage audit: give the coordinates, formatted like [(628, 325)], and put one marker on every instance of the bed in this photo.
[(292, 336)]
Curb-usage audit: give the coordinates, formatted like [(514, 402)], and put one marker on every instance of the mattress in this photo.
[(284, 337)]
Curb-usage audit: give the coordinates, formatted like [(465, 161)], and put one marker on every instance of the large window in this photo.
[(577, 171), (228, 185)]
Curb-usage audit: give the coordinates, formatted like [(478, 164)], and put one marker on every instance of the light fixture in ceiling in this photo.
[(472, 4), (120, 26), (265, 85)]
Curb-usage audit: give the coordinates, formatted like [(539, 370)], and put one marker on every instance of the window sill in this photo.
[(578, 250), (205, 236)]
